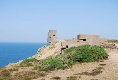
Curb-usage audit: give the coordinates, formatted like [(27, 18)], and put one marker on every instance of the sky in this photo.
[(30, 20)]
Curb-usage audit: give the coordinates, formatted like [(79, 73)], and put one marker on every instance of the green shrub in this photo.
[(84, 53), (28, 62), (87, 53), (51, 64)]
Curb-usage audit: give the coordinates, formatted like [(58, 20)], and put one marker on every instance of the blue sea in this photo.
[(13, 52)]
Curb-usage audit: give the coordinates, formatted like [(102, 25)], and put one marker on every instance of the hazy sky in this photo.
[(30, 20)]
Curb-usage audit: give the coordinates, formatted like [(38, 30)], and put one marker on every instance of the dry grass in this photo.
[(72, 78), (94, 79), (7, 74), (94, 72), (14, 69), (4, 73), (55, 78), (102, 64)]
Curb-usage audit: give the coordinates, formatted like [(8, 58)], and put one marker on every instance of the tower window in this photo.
[(53, 35), (84, 39), (66, 46)]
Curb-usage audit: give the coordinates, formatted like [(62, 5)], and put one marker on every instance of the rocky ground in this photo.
[(103, 70)]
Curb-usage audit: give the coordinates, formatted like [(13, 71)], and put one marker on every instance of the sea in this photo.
[(13, 52)]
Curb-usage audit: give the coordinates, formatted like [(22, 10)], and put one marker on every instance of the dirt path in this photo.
[(108, 70), (113, 56)]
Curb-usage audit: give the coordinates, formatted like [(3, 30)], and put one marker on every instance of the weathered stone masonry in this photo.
[(51, 37)]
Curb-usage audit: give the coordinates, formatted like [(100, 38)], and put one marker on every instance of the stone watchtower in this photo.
[(51, 37)]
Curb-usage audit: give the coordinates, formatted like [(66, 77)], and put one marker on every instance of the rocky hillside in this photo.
[(47, 51)]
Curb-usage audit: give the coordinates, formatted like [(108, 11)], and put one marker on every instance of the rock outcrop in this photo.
[(47, 51)]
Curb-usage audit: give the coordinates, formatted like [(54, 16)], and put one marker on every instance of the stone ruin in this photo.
[(55, 47), (80, 40)]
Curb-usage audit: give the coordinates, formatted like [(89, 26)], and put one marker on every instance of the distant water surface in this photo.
[(13, 52)]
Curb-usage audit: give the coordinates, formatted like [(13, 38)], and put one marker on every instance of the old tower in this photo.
[(51, 37)]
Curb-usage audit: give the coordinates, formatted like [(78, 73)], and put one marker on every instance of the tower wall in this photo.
[(52, 37)]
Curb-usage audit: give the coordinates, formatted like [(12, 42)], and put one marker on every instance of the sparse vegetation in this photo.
[(101, 61), (35, 67), (112, 41), (24, 75), (13, 74), (72, 78), (13, 69), (94, 79), (102, 64), (55, 78), (94, 72), (28, 62), (4, 74)]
